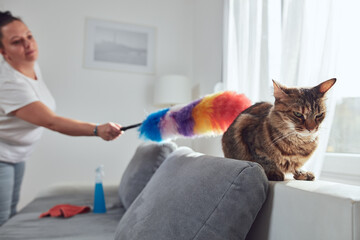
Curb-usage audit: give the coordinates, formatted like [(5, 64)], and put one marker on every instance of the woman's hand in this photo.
[(109, 131)]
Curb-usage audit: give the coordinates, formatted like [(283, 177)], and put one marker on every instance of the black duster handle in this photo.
[(130, 126)]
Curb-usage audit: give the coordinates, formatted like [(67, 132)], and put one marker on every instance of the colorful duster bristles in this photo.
[(210, 115)]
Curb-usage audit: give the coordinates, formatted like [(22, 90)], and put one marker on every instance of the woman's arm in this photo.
[(39, 114)]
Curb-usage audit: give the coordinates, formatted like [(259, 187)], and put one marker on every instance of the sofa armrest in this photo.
[(309, 210)]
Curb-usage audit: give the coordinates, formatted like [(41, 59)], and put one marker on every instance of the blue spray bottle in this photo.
[(99, 198)]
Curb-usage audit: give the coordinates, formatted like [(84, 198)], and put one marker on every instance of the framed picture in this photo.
[(119, 46)]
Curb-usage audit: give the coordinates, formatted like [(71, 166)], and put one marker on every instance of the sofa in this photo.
[(171, 192)]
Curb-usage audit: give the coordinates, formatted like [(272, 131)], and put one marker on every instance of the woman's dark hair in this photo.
[(6, 18)]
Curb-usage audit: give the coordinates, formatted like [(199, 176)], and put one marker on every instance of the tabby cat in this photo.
[(280, 137)]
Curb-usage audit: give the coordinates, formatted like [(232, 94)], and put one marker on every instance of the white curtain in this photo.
[(291, 41), (252, 40)]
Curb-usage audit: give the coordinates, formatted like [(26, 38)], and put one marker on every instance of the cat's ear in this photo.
[(323, 87), (278, 90)]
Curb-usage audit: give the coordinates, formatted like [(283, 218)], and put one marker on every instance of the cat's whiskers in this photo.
[(282, 137), (322, 128)]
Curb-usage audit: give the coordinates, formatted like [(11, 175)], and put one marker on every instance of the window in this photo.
[(342, 162), (298, 43), (345, 131)]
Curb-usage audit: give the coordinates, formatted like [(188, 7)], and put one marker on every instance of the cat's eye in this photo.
[(299, 115), (320, 115)]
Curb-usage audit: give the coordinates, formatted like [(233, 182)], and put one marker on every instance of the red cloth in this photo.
[(65, 210)]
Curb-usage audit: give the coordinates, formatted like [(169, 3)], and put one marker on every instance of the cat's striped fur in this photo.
[(281, 136)]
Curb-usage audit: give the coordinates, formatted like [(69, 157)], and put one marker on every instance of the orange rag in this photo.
[(65, 210)]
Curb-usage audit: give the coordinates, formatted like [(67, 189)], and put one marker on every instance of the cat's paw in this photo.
[(307, 176), (275, 175)]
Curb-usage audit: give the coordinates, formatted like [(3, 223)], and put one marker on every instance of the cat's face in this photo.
[(302, 109)]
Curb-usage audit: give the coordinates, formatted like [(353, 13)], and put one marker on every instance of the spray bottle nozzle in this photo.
[(99, 171)]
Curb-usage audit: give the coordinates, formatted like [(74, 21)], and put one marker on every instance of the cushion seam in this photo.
[(227, 190)]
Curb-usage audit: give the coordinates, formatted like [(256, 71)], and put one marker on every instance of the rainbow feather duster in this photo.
[(210, 115)]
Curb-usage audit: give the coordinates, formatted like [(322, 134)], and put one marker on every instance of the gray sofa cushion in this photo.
[(194, 196), (144, 163), (86, 226)]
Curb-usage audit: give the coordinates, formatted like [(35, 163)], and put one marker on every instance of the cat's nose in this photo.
[(310, 125)]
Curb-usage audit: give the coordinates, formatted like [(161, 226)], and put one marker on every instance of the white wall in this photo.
[(208, 41), (189, 42)]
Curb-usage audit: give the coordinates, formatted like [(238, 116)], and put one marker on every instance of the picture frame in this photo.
[(111, 45)]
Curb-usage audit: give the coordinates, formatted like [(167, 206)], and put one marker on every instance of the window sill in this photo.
[(342, 168)]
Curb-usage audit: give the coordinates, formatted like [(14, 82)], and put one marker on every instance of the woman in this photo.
[(26, 106)]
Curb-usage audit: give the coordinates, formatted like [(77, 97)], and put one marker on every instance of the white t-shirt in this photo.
[(18, 137)]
